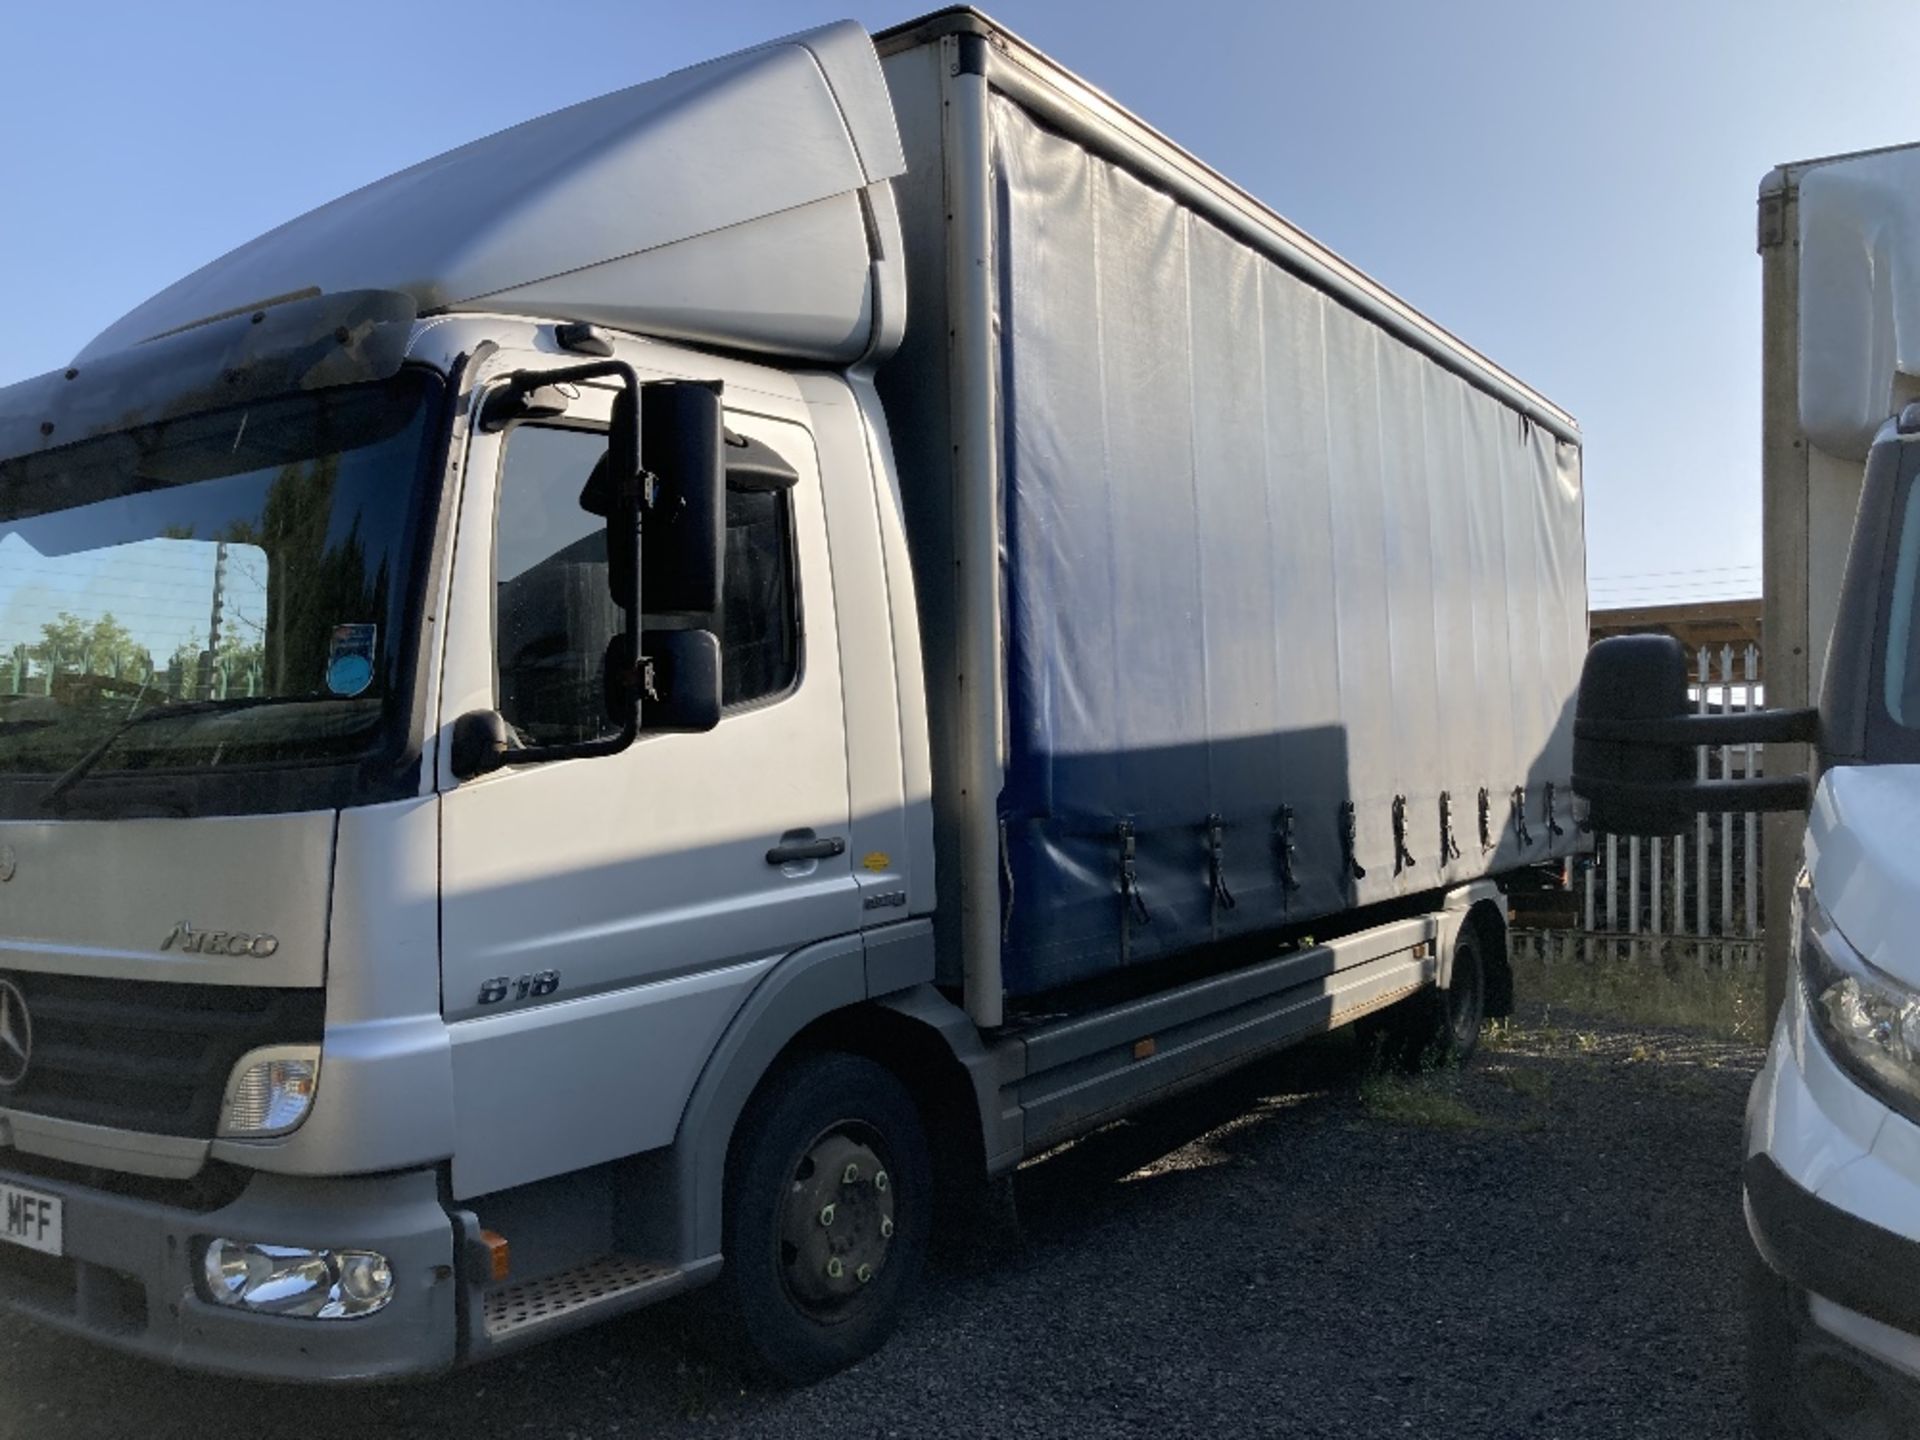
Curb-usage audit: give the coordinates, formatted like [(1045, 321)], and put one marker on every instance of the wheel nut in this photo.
[(879, 1179), (886, 1228), (835, 1269), (826, 1216), (863, 1274), (852, 1174)]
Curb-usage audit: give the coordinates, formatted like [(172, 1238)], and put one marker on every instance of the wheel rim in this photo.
[(1465, 1000), (837, 1220)]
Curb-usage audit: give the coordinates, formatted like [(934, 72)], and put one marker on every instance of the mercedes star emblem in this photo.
[(16, 1036)]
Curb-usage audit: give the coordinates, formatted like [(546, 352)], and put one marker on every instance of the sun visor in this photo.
[(1859, 296), (313, 342), (653, 208)]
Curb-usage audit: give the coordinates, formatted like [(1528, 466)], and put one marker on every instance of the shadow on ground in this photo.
[(1547, 1242)]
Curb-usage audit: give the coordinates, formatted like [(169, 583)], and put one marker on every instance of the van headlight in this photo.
[(1869, 1021)]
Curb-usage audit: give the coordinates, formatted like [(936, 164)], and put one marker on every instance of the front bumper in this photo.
[(1832, 1252), (1817, 1371), (1832, 1199), (126, 1278)]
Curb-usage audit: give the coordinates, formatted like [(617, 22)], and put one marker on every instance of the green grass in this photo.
[(1422, 1100), (1726, 1001)]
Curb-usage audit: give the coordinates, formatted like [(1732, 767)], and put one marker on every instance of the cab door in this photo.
[(602, 919)]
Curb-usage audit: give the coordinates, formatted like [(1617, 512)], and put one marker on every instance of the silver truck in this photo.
[(620, 709)]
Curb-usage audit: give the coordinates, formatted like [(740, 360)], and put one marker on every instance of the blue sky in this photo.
[(1568, 187)]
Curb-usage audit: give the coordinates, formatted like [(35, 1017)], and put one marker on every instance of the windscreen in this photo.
[(221, 591)]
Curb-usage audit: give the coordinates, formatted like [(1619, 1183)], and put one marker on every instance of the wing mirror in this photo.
[(1635, 739), (682, 492), (676, 682)]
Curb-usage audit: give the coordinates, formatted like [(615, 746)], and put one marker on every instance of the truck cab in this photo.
[(516, 970), (426, 732)]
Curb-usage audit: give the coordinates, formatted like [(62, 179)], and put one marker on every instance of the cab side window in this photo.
[(553, 614), (759, 633), (554, 617)]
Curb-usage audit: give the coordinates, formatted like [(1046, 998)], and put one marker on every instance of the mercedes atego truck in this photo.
[(1832, 1161), (617, 710)]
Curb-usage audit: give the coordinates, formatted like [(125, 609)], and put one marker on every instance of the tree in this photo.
[(70, 645), (318, 580), (239, 669)]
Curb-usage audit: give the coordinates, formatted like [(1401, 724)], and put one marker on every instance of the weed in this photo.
[(1421, 1101), (1499, 1034), (1722, 1000)]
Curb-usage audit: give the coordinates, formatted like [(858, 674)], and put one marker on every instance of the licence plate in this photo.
[(29, 1218)]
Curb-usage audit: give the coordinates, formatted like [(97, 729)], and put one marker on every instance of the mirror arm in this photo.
[(480, 746), (1706, 797), (579, 750), (1748, 727)]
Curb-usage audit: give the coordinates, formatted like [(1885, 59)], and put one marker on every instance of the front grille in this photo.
[(211, 1187), (149, 1055)]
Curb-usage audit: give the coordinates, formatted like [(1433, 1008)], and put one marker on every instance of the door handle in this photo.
[(789, 851)]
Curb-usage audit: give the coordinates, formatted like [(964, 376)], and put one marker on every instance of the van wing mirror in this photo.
[(1635, 739)]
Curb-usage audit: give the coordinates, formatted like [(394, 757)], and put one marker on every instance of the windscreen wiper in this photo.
[(82, 767)]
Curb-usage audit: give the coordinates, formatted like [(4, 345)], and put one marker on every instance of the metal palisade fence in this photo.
[(1697, 894), (45, 670)]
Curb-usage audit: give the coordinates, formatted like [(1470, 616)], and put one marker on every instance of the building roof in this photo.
[(1709, 623)]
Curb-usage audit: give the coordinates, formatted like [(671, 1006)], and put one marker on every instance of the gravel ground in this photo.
[(1545, 1245)]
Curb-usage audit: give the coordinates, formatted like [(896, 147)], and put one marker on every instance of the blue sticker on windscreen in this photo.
[(350, 658)]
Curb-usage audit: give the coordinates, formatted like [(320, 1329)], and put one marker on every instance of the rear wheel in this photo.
[(1465, 998), (1438, 1027), (828, 1198)]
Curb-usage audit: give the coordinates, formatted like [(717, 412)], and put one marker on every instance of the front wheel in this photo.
[(828, 1199), (1438, 1027)]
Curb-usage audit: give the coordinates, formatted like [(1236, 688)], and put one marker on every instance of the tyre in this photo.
[(829, 1196), (1438, 1027)]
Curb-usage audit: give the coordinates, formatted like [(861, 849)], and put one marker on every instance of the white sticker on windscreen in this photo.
[(350, 658)]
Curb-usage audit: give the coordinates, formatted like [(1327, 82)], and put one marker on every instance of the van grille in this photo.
[(150, 1056)]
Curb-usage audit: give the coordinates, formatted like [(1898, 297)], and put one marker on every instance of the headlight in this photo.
[(270, 1091), (287, 1280), (1867, 1019)]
